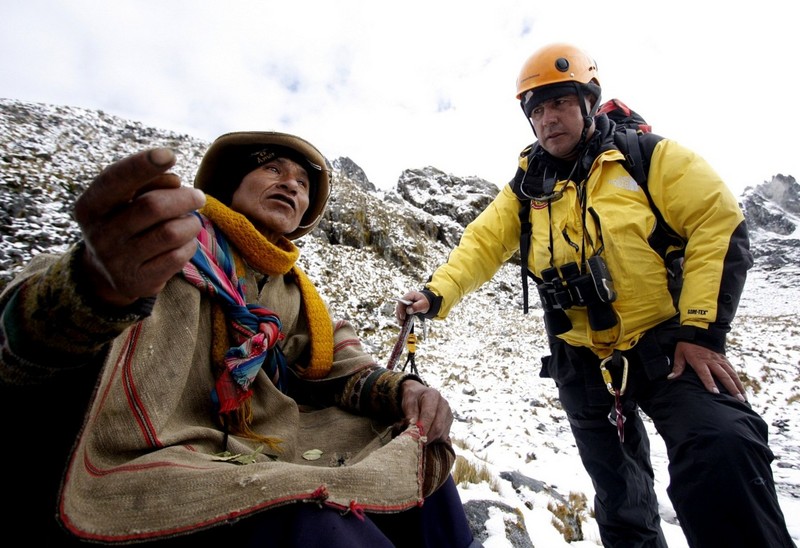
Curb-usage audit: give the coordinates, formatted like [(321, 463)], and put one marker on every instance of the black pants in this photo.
[(721, 484)]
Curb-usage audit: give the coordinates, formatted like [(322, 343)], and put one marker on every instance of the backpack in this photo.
[(633, 137)]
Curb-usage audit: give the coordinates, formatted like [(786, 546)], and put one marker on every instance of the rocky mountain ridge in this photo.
[(49, 153)]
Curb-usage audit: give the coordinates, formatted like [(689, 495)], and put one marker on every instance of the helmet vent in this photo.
[(562, 65)]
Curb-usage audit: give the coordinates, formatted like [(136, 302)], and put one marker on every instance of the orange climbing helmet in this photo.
[(555, 70)]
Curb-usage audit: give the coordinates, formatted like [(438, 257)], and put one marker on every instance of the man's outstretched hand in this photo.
[(137, 225)]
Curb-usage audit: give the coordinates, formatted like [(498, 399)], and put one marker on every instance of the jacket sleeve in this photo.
[(355, 382), (50, 325), (368, 388), (487, 242), (375, 391), (699, 206)]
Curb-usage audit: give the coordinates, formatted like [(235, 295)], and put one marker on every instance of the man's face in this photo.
[(274, 197), (558, 124)]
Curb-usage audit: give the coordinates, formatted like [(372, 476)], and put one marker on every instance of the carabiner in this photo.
[(607, 376)]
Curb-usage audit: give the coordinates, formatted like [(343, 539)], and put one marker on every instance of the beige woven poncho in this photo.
[(147, 464)]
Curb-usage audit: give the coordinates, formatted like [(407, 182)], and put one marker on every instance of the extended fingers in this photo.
[(710, 367), (156, 224), (724, 371), (159, 206), (138, 226), (121, 181)]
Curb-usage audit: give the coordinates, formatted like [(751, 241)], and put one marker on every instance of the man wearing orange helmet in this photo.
[(618, 341)]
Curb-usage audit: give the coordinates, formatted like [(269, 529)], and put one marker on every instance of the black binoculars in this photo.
[(592, 288)]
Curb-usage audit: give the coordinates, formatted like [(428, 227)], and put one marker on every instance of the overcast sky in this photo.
[(397, 85)]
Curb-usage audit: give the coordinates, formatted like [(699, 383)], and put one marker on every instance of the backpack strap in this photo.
[(627, 141), (524, 248), (638, 148)]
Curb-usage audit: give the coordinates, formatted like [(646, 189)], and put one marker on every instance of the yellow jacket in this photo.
[(694, 201)]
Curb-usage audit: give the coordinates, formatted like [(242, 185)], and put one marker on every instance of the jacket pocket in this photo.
[(559, 365), (656, 348)]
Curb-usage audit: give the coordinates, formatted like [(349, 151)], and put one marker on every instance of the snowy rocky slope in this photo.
[(372, 246)]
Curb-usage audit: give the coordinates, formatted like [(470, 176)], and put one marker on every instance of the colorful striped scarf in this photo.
[(255, 330)]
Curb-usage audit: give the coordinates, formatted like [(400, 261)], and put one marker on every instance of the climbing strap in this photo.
[(397, 350), (619, 363)]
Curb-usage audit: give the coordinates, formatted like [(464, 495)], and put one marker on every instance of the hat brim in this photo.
[(220, 170)]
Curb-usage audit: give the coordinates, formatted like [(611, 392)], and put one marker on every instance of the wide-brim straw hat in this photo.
[(231, 156)]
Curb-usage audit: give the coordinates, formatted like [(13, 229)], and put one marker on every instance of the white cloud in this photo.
[(414, 84)]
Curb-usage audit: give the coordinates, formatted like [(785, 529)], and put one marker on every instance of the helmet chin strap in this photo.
[(522, 106), (588, 117)]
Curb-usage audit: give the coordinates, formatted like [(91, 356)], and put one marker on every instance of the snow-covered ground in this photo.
[(508, 418), (485, 358)]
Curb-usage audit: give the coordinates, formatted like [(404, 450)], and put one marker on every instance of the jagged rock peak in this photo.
[(772, 210), (440, 193), (784, 191), (773, 206), (348, 168)]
